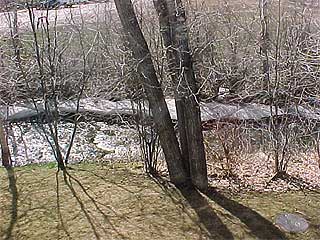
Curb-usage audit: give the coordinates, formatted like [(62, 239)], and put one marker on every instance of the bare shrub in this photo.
[(225, 145), (148, 137)]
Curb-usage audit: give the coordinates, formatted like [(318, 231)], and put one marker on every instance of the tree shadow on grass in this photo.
[(14, 203), (206, 214), (258, 225), (69, 180), (103, 178), (61, 221), (212, 224)]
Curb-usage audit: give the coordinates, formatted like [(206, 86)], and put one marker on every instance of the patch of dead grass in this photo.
[(120, 202)]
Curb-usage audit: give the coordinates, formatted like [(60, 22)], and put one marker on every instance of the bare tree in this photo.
[(172, 19), (159, 109), (48, 78)]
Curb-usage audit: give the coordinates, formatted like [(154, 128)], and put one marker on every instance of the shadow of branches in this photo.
[(69, 180), (207, 217), (103, 178), (258, 225), (295, 181), (14, 202), (206, 214), (68, 183), (61, 221)]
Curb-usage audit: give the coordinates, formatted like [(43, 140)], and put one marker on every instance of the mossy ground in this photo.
[(120, 202)]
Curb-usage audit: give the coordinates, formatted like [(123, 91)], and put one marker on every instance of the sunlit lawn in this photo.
[(120, 202)]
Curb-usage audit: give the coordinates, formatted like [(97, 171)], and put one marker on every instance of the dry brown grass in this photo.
[(120, 202)]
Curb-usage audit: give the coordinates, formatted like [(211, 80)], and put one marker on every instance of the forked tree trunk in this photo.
[(172, 19), (167, 32), (5, 152), (160, 112)]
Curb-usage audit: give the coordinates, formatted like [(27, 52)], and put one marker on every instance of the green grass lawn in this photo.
[(120, 202)]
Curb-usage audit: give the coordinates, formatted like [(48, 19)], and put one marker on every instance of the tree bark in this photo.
[(159, 109), (167, 32), (172, 19), (5, 152)]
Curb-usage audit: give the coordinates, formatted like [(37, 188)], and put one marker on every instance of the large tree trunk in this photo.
[(172, 21), (160, 112), (165, 21)]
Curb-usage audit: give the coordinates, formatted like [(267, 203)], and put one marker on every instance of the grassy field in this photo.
[(120, 202)]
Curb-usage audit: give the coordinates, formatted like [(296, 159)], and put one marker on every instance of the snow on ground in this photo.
[(93, 141), (100, 142)]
